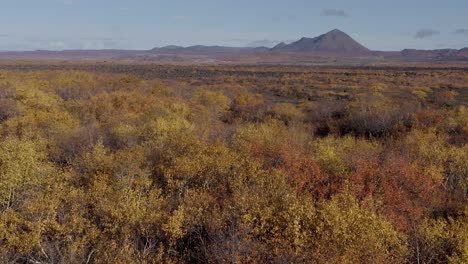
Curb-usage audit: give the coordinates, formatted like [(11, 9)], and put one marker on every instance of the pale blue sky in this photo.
[(144, 24)]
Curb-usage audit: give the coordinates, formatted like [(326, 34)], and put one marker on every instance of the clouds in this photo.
[(56, 45), (331, 12), (426, 33), (462, 31), (255, 43), (21, 43), (263, 43)]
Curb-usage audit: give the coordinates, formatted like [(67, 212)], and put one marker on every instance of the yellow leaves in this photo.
[(160, 89), (179, 109), (288, 112), (246, 99), (123, 197), (213, 100), (164, 127), (378, 89), (338, 156), (206, 108), (456, 170), (96, 160), (265, 206), (30, 99), (170, 124), (459, 119), (303, 223), (246, 107), (18, 234), (330, 161), (41, 125), (170, 179), (447, 97), (20, 166), (432, 150), (350, 233), (190, 214), (126, 132), (204, 168), (440, 160), (420, 94), (31, 192), (40, 115), (436, 236), (430, 145), (264, 136)]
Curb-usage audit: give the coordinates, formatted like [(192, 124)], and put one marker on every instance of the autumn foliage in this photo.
[(233, 165)]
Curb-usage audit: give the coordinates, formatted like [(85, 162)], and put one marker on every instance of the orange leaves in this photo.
[(406, 192), (428, 118), (303, 172)]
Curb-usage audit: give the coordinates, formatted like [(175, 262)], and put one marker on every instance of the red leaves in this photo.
[(405, 192), (303, 172), (428, 118)]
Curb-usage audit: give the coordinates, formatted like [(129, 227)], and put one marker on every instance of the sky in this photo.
[(144, 24)]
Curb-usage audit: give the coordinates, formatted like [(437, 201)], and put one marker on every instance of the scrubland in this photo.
[(233, 164)]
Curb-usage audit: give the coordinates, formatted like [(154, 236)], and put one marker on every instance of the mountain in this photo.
[(201, 50), (334, 46), (437, 54), (280, 46), (170, 48), (334, 41), (463, 52)]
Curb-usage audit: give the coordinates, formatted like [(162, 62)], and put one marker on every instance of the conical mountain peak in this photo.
[(335, 41)]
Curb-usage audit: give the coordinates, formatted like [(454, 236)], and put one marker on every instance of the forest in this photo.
[(129, 163)]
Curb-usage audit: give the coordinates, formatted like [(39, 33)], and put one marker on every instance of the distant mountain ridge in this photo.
[(200, 50), (334, 41), (433, 54), (330, 46)]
